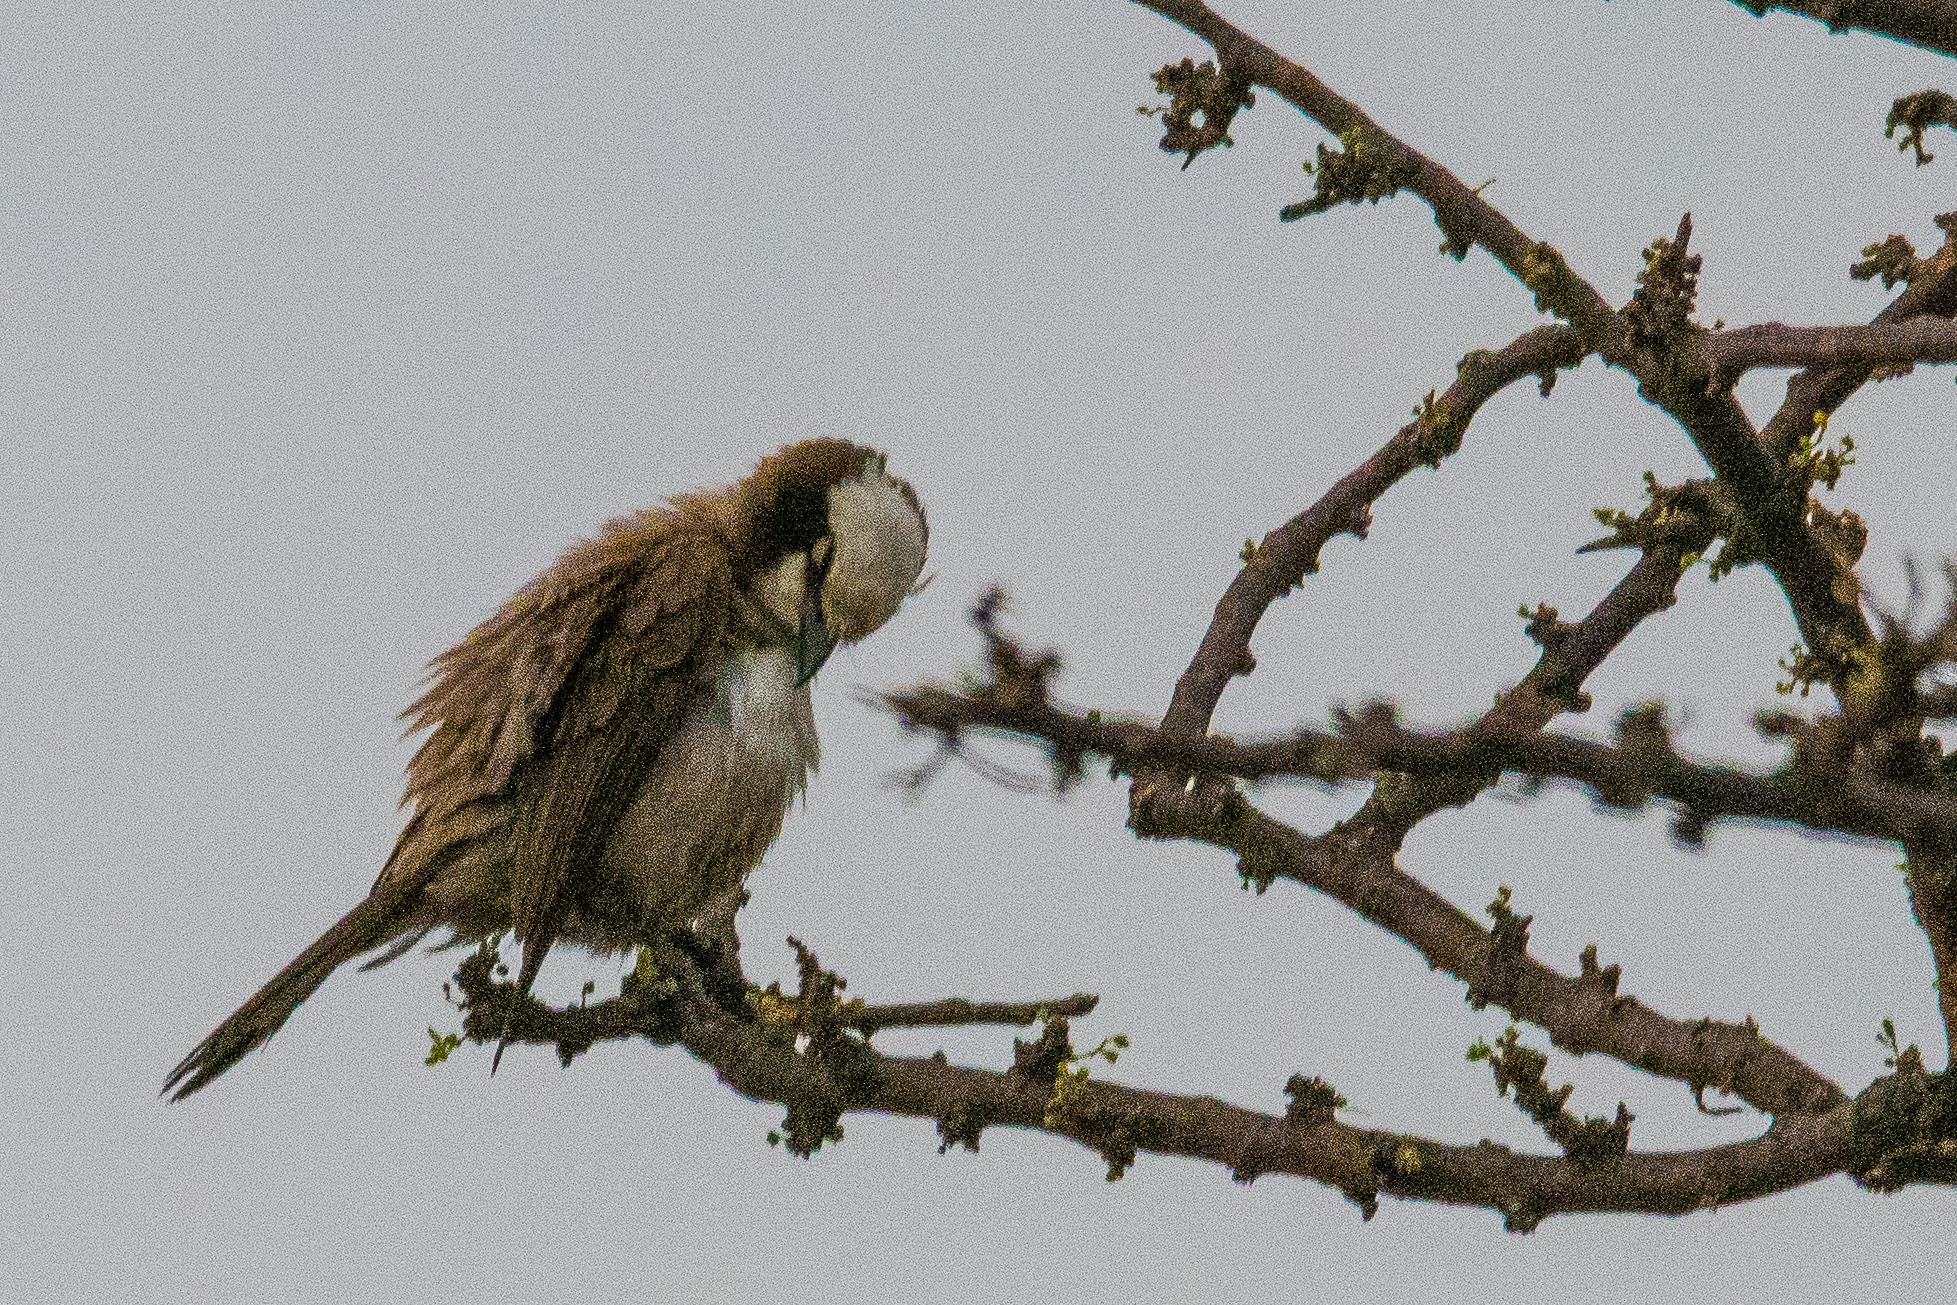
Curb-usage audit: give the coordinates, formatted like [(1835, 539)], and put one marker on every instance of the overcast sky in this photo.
[(327, 326)]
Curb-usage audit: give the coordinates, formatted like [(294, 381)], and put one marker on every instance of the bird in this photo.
[(611, 752)]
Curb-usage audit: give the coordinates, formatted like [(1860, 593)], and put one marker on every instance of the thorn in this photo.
[(502, 1043)]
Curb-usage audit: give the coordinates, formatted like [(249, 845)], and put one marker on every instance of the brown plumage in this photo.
[(613, 750)]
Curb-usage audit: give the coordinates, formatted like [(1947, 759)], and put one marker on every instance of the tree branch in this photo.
[(1274, 566), (1644, 340), (1354, 863), (1890, 346), (1931, 24), (951, 1012), (1376, 163), (1642, 766), (639, 1009), (1581, 1014), (1933, 901), (1931, 292), (1764, 477), (1894, 1134)]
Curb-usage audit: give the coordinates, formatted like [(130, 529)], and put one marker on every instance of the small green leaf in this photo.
[(439, 1046)]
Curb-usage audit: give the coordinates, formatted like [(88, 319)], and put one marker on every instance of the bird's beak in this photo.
[(813, 640)]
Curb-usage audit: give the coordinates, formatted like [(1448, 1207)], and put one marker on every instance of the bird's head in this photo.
[(832, 543)]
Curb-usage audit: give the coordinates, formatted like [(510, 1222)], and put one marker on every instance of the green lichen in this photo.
[(1370, 167), (1916, 114), (1203, 102), (1550, 279), (1438, 429)]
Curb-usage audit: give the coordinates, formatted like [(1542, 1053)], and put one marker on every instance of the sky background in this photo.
[(327, 326)]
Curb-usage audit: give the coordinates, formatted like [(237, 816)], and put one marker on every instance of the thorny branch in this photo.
[(1866, 769), (1641, 766), (1277, 564), (1651, 339), (1930, 290), (1762, 478), (1846, 773), (640, 1008), (1354, 864), (812, 1062)]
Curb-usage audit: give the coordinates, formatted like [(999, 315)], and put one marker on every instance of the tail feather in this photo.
[(369, 924)]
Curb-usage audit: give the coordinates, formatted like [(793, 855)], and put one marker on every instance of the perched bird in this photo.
[(611, 753)]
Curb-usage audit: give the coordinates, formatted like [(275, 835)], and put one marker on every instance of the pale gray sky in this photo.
[(328, 325)]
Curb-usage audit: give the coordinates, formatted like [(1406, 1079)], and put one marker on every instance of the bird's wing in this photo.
[(545, 715), (559, 704)]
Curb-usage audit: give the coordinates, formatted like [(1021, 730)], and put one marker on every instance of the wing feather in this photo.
[(560, 704)]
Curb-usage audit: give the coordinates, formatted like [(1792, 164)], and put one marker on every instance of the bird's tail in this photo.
[(376, 919)]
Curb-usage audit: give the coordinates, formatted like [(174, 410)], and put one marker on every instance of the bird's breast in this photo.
[(716, 798), (760, 716)]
